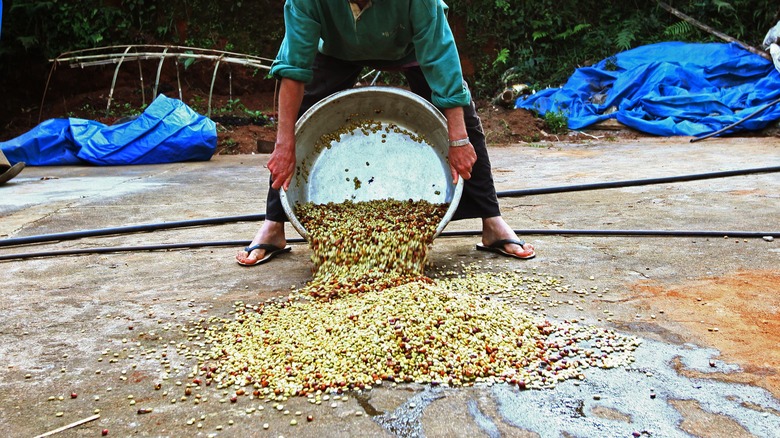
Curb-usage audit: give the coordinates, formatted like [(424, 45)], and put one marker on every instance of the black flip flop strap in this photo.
[(265, 246), (502, 242)]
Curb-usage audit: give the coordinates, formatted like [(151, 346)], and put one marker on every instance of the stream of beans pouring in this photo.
[(371, 315)]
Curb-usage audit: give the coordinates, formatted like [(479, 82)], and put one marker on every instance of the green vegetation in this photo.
[(52, 27), (538, 43), (233, 106), (116, 111), (556, 121), (542, 42), (227, 145)]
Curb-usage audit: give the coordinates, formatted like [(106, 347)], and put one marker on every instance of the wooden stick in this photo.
[(706, 28), (70, 426), (113, 82), (45, 88), (157, 78), (211, 89)]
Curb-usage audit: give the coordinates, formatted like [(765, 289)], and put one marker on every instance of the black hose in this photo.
[(127, 230), (240, 243), (258, 217), (749, 116), (636, 182)]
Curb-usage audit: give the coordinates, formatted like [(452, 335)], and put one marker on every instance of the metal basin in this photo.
[(371, 143)]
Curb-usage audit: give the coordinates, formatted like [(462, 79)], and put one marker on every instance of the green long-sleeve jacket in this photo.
[(387, 33)]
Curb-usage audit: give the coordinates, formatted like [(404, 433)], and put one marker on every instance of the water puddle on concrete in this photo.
[(404, 421), (646, 393), (483, 421), (654, 397)]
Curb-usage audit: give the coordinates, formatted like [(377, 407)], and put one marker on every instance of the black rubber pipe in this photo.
[(240, 243), (128, 229), (748, 117), (637, 182), (259, 217)]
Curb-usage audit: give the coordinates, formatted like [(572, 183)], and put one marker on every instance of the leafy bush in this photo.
[(54, 26), (556, 121), (539, 43), (543, 42)]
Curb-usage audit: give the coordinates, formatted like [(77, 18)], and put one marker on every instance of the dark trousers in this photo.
[(332, 75)]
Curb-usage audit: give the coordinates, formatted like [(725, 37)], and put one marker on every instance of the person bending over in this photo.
[(326, 45)]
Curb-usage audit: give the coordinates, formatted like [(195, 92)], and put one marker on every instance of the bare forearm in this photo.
[(282, 162), (456, 124), (290, 97)]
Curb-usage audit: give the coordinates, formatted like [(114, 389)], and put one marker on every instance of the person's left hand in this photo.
[(282, 165), (462, 159)]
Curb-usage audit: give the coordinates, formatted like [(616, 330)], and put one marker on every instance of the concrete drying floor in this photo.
[(705, 307)]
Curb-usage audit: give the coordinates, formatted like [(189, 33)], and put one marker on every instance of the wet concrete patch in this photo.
[(483, 421), (645, 393), (699, 422), (405, 420), (608, 413)]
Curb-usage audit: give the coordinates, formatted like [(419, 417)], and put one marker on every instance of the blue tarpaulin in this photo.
[(168, 131), (667, 89)]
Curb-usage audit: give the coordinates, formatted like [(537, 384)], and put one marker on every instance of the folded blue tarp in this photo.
[(167, 132), (668, 89)]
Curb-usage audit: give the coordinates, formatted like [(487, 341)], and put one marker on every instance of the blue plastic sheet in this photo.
[(668, 89), (167, 132)]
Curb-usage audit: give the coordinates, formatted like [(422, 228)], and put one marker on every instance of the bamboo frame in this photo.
[(159, 70), (211, 89), (75, 59), (178, 79), (113, 81), (121, 53)]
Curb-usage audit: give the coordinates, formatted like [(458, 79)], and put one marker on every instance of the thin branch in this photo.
[(712, 31), (589, 135), (113, 81), (69, 426)]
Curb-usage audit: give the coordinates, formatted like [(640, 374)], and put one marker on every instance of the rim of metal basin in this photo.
[(371, 143)]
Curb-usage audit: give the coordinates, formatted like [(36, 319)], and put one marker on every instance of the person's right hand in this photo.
[(282, 165), (462, 160), (282, 162)]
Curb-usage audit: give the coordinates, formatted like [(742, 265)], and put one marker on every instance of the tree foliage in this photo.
[(545, 41), (49, 28), (539, 43)]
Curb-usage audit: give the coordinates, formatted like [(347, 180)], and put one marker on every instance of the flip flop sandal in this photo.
[(9, 173), (497, 247), (271, 251)]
